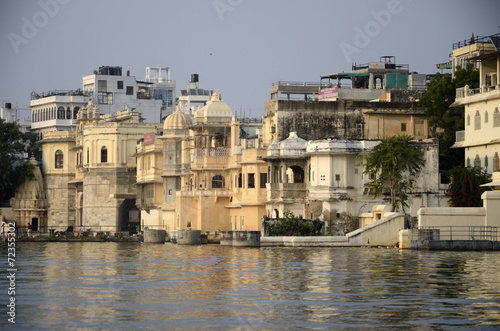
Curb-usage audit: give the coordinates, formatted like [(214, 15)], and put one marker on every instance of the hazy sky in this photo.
[(237, 46)]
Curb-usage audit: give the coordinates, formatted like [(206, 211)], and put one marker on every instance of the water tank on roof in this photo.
[(110, 71), (194, 78)]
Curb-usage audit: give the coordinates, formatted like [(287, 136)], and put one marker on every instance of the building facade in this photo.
[(374, 101), (213, 175), (112, 92), (480, 139), (90, 173), (323, 179)]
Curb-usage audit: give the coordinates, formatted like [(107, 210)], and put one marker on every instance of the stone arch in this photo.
[(218, 181), (60, 113)]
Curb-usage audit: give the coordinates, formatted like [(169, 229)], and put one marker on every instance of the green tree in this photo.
[(291, 225), (465, 188), (13, 168), (446, 121), (394, 163)]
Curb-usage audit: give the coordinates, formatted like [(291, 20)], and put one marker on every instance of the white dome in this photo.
[(177, 121), (214, 108), (293, 146)]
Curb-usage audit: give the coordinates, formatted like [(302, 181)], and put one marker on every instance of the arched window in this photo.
[(59, 159), (496, 118), (68, 113), (486, 161), (60, 113), (75, 112), (486, 117), (468, 162), (477, 161), (477, 121), (218, 181), (496, 163), (88, 155), (104, 154)]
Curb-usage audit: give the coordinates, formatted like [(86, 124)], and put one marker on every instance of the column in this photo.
[(498, 73)]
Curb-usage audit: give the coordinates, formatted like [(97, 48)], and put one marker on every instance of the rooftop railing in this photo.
[(292, 83), (35, 95), (475, 40)]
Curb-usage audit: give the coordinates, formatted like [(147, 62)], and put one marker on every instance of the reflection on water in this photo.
[(140, 286)]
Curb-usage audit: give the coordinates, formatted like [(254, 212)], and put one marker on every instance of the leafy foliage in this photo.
[(291, 225), (441, 92), (395, 162), (13, 168), (465, 188)]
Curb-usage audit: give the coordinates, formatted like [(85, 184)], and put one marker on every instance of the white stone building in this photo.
[(112, 92), (193, 96), (481, 137), (323, 179)]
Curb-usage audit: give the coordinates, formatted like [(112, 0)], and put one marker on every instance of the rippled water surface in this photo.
[(125, 286)]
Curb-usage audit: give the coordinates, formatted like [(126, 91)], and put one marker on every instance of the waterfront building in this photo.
[(481, 115), (323, 179), (90, 173), (375, 100), (213, 175)]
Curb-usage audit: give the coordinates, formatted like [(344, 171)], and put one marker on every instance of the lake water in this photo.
[(126, 286)]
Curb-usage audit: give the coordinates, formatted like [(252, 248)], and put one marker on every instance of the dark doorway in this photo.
[(34, 224), (129, 216)]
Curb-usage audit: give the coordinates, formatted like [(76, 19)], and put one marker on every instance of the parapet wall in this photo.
[(384, 232)]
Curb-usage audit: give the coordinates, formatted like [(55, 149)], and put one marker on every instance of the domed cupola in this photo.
[(293, 146), (214, 111), (177, 121)]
